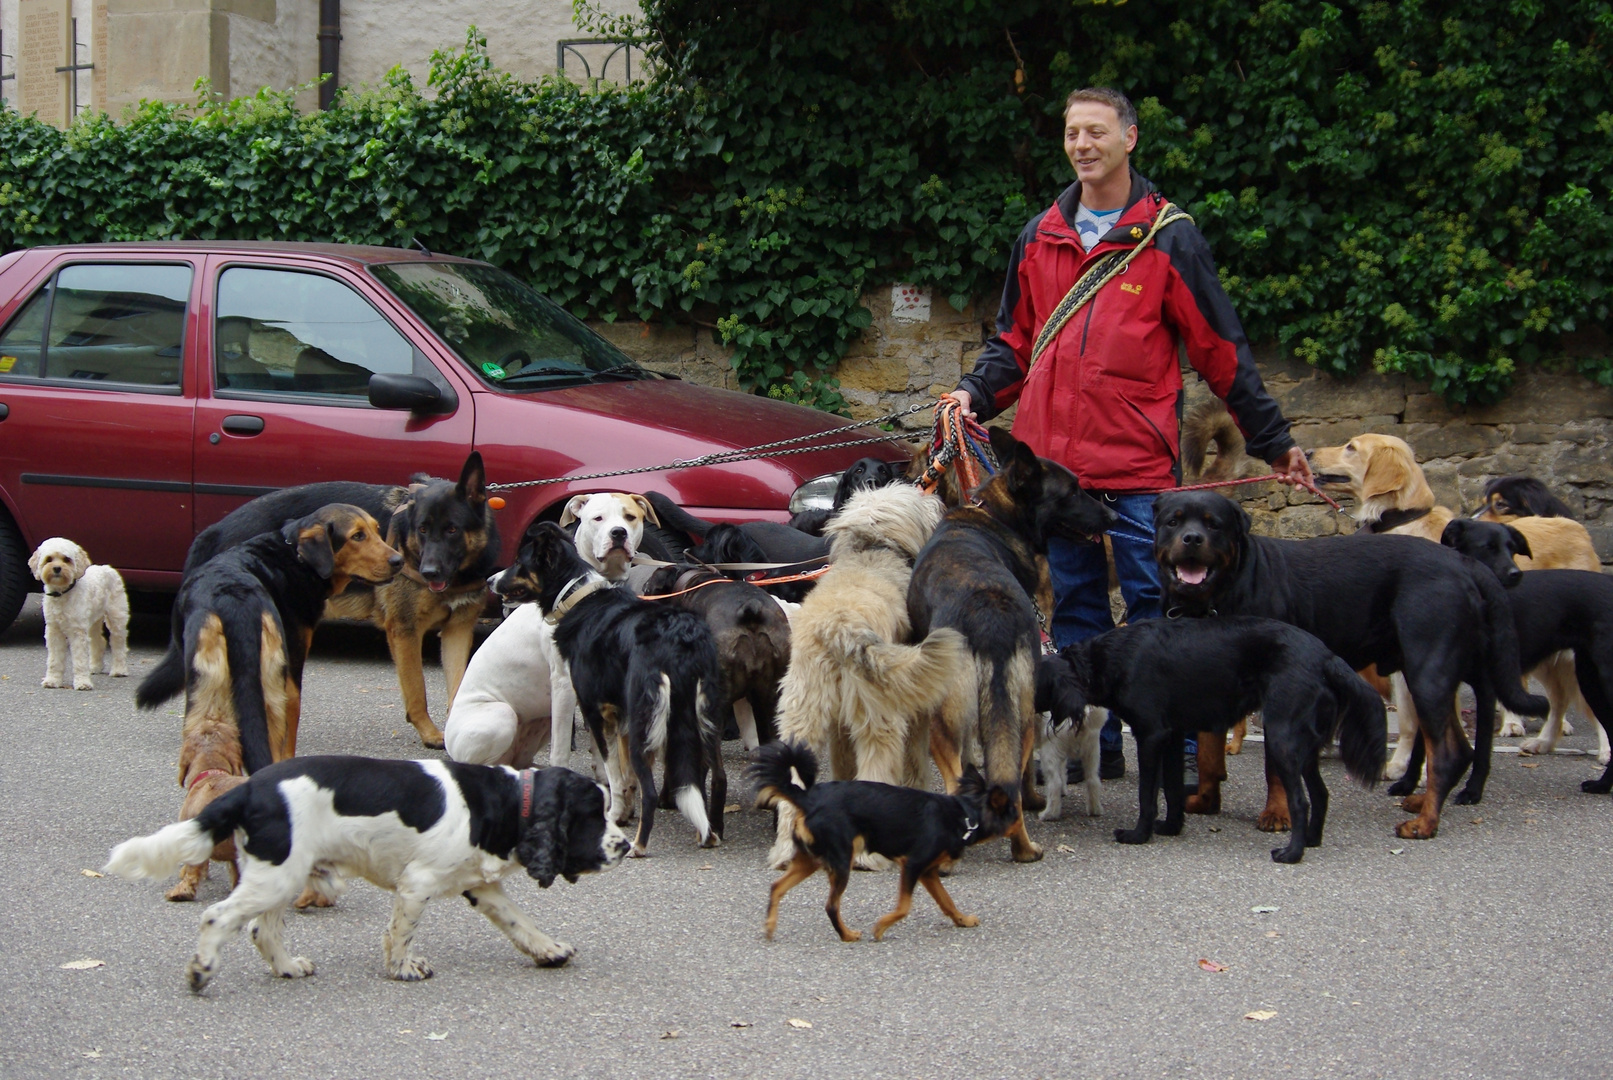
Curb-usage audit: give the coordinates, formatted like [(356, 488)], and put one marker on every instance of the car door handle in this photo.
[(242, 425)]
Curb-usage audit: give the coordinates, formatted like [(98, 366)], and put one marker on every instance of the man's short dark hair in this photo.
[(1103, 95)]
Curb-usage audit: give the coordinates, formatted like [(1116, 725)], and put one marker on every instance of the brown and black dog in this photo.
[(978, 575), (449, 543), (241, 626)]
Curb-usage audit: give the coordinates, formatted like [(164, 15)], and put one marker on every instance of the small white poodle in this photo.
[(79, 600)]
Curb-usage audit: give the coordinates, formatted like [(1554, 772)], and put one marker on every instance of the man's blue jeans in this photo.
[(1080, 576)]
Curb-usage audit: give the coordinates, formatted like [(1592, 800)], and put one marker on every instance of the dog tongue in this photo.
[(438, 586), (1191, 575)]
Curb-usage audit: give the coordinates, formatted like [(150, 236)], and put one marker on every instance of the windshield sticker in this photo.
[(492, 370), (7, 363)]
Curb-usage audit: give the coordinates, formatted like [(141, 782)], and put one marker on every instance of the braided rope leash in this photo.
[(762, 450), (1308, 485)]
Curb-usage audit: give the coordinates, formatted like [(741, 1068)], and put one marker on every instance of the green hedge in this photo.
[(1409, 186)]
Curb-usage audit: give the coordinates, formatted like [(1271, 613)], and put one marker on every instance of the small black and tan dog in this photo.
[(978, 575), (1171, 678), (449, 544), (837, 820), (646, 677)]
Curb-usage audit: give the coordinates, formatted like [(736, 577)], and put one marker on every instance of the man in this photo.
[(1100, 390)]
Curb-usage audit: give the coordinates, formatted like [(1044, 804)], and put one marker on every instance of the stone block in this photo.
[(1539, 394), (1583, 465), (1263, 522), (1323, 397), (1454, 439), (653, 344), (1445, 481), (1303, 522), (1602, 538), (875, 374), (1585, 431), (1427, 409), (1534, 433)]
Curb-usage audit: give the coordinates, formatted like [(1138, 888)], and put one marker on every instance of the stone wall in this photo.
[(1554, 426)]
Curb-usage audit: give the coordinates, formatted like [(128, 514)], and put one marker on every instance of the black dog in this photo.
[(924, 832), (864, 473), (1172, 678), (776, 542), (978, 575), (242, 622), (1395, 601), (449, 544), (1552, 610), (1490, 543), (646, 677)]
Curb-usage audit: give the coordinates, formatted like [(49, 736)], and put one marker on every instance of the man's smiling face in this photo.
[(1096, 144)]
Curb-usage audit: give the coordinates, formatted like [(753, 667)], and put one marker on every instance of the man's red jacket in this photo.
[(1104, 400)]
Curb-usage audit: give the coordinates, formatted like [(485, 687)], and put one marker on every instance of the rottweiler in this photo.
[(449, 542), (978, 575), (1395, 601)]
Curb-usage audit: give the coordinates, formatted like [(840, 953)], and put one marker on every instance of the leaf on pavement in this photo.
[(1260, 1014), (1263, 909), (1530, 764), (92, 873), (1397, 851), (739, 1023), (437, 1036), (1211, 965), (1067, 849), (83, 965), (732, 808), (671, 1034), (794, 1023)]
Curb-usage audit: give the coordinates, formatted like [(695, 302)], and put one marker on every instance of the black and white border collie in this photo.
[(646, 677), (421, 829)]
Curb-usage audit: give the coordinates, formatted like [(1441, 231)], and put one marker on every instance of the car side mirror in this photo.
[(411, 392)]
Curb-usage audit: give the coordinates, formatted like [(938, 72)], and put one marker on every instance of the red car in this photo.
[(147, 389)]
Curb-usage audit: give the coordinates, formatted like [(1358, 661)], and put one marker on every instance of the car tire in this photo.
[(14, 574), (663, 544)]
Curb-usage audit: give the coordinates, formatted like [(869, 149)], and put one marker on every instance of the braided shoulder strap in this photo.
[(1097, 276)]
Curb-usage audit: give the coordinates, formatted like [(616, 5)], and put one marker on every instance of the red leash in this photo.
[(1308, 485)]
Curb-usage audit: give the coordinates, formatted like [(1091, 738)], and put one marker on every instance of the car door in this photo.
[(98, 382), (291, 347)]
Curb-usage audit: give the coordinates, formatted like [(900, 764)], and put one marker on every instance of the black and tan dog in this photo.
[(922, 831), (1395, 601), (449, 544), (646, 677), (978, 575), (1171, 678), (241, 625)]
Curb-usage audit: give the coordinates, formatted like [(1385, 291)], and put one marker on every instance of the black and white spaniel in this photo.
[(419, 828)]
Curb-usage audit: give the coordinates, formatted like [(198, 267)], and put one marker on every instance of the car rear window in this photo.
[(508, 334), (102, 323)]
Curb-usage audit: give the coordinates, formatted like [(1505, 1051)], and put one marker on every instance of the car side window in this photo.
[(285, 331), (114, 323)]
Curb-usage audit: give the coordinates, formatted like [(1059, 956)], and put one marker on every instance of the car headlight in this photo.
[(817, 493)]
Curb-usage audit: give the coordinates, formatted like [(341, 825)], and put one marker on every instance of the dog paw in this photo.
[(1054, 812), (1413, 804), (1536, 745), (1511, 728), (712, 840), (299, 967), (1281, 855), (1031, 851), (198, 974), (1273, 821), (413, 969), (312, 897), (1468, 798), (1404, 786), (857, 935), (185, 890), (1595, 787), (638, 852), (1394, 770), (1416, 829), (966, 921), (83, 684), (558, 956), (1568, 728), (1131, 836), (119, 673), (1203, 804), (1168, 828)]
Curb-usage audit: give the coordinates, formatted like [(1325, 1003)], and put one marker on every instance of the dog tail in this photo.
[(1205, 423), (680, 700), (1504, 668), (1363, 723), (168, 677), (919, 676), (162, 853), (673, 516), (782, 770)]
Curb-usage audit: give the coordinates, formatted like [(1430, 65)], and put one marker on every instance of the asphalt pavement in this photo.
[(1483, 953)]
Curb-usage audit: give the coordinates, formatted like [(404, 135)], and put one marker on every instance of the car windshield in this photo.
[(507, 333)]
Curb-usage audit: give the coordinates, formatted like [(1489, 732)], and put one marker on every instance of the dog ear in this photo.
[(543, 849), (1520, 545), (472, 486), (647, 510), (81, 561), (1018, 461), (1451, 537), (972, 785), (1387, 471), (311, 538), (35, 560), (573, 508)]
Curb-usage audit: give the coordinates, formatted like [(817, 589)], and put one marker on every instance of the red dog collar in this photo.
[(527, 776), (204, 774)]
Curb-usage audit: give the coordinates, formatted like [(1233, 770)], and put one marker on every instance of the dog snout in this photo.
[(395, 561), (618, 537), (1190, 538)]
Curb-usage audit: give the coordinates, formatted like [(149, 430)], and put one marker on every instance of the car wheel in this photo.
[(13, 571), (663, 544)]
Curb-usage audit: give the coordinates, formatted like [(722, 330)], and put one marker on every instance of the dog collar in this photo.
[(205, 773), (65, 591), (572, 595), (527, 777), (1393, 519), (969, 827)]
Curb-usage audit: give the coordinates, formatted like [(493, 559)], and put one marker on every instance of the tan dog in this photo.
[(1392, 495), (209, 765), (853, 693)]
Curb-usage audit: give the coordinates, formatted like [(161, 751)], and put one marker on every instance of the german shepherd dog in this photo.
[(646, 676), (241, 627), (449, 544), (978, 575)]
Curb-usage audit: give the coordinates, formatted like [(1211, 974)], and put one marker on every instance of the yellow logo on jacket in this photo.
[(1135, 290), (1136, 232)]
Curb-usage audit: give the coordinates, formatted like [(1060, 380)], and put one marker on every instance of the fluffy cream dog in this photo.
[(852, 692), (80, 599)]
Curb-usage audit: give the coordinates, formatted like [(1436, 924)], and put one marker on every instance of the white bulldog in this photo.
[(610, 527)]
